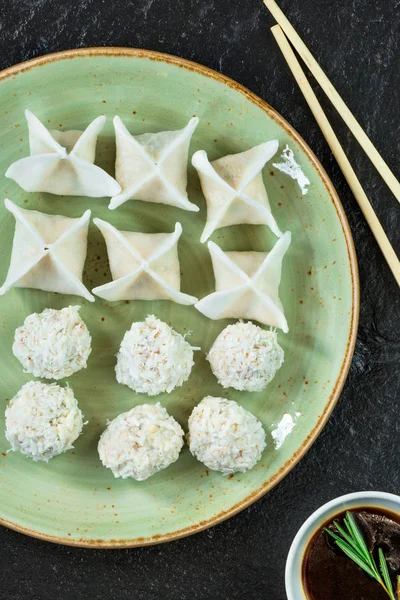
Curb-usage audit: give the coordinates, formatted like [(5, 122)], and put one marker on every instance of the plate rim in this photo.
[(355, 285)]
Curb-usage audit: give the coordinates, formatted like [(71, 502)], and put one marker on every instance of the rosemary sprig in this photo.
[(385, 572), (350, 540)]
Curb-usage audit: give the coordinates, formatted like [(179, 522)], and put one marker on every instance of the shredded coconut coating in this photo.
[(245, 357), (141, 442), (224, 436), (53, 344), (153, 358), (43, 420)]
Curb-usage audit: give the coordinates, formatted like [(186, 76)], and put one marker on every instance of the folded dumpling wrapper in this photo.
[(247, 285), (144, 266), (153, 166), (61, 162), (234, 188), (48, 252)]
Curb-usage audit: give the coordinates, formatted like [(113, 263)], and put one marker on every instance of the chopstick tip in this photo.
[(276, 28)]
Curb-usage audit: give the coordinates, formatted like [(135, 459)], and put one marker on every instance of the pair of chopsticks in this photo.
[(284, 31)]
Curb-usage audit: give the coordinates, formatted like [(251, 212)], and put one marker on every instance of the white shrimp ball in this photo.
[(224, 436), (153, 358), (245, 357), (43, 420), (141, 442), (53, 344)]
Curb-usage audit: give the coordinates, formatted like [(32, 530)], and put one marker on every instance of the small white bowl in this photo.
[(293, 573)]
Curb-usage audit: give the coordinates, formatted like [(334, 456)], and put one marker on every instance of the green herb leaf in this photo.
[(346, 536), (385, 574), (355, 557), (339, 539), (356, 534), (352, 543)]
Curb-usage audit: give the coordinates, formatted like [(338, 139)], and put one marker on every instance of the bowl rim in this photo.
[(293, 575), (116, 51)]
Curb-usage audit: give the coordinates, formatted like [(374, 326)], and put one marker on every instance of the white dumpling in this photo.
[(153, 166), (61, 162), (234, 189), (247, 285), (48, 252), (144, 266)]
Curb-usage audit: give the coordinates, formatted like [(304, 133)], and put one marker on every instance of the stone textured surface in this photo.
[(358, 43)]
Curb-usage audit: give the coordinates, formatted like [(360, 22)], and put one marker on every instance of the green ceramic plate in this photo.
[(73, 499)]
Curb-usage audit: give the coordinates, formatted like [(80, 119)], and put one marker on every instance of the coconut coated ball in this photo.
[(245, 357), (53, 344), (141, 442), (153, 358), (224, 436), (43, 420)]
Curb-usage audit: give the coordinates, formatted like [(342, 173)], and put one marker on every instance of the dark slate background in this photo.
[(358, 44)]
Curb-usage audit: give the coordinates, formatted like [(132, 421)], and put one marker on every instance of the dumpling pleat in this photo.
[(152, 167), (234, 188), (48, 252), (144, 266), (247, 285), (51, 169)]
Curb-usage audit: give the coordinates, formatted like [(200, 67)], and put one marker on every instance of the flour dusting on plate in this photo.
[(290, 167), (283, 429)]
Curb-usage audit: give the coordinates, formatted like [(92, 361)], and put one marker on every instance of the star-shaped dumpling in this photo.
[(144, 266), (153, 166), (247, 285), (61, 162), (234, 189), (48, 252)]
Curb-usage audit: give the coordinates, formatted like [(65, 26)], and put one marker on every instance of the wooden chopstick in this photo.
[(348, 117), (338, 152)]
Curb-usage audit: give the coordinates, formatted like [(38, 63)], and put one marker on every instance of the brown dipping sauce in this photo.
[(328, 574)]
